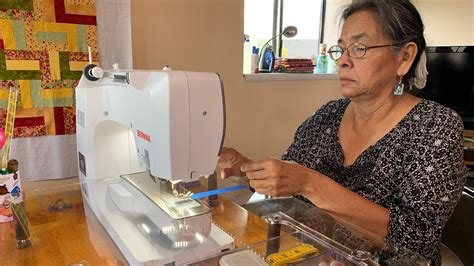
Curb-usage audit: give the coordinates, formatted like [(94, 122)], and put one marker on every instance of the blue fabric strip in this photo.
[(217, 191)]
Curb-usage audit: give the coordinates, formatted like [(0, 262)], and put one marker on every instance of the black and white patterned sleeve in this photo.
[(431, 182)]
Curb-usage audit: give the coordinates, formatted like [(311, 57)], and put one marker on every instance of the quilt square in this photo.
[(43, 48)]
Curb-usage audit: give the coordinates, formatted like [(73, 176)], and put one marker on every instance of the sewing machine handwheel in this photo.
[(88, 73)]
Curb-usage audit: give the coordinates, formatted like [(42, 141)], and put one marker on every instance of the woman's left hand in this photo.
[(276, 177)]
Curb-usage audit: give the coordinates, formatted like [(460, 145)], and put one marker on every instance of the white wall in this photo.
[(447, 22)]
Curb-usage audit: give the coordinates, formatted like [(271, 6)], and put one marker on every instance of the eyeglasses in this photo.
[(355, 50)]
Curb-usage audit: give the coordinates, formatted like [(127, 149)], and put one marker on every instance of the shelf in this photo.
[(288, 77)]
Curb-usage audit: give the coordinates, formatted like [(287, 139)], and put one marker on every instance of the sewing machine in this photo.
[(138, 132)]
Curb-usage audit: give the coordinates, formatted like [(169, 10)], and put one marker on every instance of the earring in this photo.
[(399, 87)]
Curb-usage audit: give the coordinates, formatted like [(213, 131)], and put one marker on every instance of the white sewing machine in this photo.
[(136, 132)]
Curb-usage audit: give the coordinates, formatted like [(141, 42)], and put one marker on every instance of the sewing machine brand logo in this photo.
[(143, 135)]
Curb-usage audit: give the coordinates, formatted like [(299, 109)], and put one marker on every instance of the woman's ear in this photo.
[(407, 56)]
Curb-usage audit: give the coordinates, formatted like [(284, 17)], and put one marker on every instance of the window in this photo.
[(264, 19)]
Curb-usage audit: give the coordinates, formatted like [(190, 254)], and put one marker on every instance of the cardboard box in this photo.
[(10, 191)]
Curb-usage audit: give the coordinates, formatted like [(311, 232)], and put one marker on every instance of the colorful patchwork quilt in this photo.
[(43, 49)]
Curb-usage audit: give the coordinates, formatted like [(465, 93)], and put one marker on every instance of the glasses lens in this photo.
[(335, 52), (357, 50)]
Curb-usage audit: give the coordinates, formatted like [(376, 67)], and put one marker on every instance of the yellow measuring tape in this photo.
[(291, 255), (9, 123)]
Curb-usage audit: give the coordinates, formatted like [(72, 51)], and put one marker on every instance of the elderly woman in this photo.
[(380, 158)]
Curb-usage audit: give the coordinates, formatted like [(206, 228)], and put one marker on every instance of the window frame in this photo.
[(278, 9)]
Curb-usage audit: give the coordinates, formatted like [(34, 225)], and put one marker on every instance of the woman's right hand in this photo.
[(230, 161)]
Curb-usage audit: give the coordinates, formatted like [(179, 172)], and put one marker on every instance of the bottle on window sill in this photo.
[(247, 55), (254, 60), (322, 61)]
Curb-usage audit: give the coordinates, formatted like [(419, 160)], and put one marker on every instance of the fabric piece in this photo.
[(43, 50), (63, 17), (38, 41), (294, 65), (53, 156), (17, 4), (114, 30)]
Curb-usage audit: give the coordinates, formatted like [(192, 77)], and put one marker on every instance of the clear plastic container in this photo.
[(286, 235), (242, 257)]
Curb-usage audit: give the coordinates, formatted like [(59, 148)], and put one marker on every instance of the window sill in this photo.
[(287, 76)]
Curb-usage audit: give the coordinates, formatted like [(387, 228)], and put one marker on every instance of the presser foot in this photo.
[(176, 193)]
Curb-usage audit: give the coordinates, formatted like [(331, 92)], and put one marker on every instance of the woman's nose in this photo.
[(345, 60)]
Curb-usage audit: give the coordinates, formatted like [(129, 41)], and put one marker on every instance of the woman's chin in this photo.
[(348, 92)]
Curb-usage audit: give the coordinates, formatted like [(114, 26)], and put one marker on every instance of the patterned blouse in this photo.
[(416, 170)]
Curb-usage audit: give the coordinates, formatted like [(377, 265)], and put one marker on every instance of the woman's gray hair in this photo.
[(401, 22)]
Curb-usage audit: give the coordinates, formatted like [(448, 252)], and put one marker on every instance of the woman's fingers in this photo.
[(257, 175), (274, 177), (229, 157), (225, 172), (254, 166)]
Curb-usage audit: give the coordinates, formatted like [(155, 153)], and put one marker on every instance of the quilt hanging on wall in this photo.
[(43, 49)]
